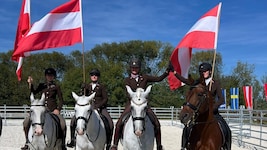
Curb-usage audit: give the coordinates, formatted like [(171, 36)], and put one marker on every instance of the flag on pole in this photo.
[(234, 92), (265, 89), (203, 35), (61, 27), (23, 27), (248, 96), (223, 106)]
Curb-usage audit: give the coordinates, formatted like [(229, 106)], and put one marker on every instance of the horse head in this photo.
[(83, 110), (197, 103), (138, 108), (37, 111)]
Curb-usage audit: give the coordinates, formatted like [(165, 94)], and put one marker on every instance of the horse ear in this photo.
[(148, 89), (32, 97), (75, 96), (92, 96), (129, 90), (42, 97)]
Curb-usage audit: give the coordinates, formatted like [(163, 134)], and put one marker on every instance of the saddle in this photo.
[(52, 128), (226, 132), (107, 126)]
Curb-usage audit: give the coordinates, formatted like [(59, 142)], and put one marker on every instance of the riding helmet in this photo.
[(95, 72), (204, 67), (135, 63), (50, 71)]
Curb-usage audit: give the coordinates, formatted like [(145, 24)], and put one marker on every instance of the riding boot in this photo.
[(72, 143), (118, 132), (108, 131), (158, 138), (26, 131), (64, 139), (185, 137)]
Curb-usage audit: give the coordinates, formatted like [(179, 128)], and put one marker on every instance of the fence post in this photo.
[(5, 113), (172, 114)]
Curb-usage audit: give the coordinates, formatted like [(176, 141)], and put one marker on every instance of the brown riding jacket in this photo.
[(52, 92), (215, 89), (142, 82), (101, 97)]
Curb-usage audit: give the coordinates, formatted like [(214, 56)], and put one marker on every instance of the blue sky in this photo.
[(242, 33)]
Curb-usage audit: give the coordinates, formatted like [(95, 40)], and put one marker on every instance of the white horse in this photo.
[(138, 131), (44, 129), (90, 129)]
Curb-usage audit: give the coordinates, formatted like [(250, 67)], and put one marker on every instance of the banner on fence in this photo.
[(248, 96), (234, 92), (265, 89), (223, 106)]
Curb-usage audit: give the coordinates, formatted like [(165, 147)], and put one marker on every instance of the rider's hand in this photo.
[(56, 111)]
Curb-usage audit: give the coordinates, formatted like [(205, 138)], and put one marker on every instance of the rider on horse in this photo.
[(52, 92), (137, 80), (205, 76), (99, 103)]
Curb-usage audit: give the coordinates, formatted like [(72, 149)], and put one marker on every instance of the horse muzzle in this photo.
[(38, 130), (138, 133)]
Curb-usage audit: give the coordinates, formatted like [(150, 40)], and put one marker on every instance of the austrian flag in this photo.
[(61, 27), (203, 35)]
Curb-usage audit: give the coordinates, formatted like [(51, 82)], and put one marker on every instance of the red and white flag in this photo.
[(61, 27), (265, 89), (23, 27), (248, 96), (203, 35)]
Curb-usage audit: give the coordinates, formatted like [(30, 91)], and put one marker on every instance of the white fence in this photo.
[(249, 127)]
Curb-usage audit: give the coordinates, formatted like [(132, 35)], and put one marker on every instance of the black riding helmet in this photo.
[(95, 72), (50, 71), (204, 67), (135, 63)]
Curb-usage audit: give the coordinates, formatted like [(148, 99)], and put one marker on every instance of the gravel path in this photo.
[(13, 136)]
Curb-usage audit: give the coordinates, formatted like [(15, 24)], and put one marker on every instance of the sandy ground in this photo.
[(13, 136)]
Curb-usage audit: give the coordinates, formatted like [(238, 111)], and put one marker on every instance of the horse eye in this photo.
[(200, 94)]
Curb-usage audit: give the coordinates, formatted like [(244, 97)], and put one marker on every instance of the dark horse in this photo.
[(197, 113)]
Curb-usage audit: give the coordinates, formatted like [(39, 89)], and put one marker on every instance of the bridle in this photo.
[(86, 120), (202, 97), (82, 117), (42, 118)]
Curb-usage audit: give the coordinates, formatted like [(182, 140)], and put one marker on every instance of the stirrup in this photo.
[(160, 147), (25, 147), (71, 144), (114, 147)]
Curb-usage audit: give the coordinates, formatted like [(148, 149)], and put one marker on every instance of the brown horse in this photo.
[(197, 113)]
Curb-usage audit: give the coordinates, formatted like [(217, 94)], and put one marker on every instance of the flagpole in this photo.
[(215, 42), (80, 1), (213, 66)]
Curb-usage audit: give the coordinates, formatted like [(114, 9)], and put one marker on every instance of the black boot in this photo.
[(72, 143), (25, 147), (185, 137)]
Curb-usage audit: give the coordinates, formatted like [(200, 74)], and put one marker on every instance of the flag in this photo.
[(234, 92), (248, 96), (23, 27), (265, 88), (180, 60), (203, 35), (61, 27), (223, 106)]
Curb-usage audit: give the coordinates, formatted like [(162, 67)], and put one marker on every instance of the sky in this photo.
[(242, 32)]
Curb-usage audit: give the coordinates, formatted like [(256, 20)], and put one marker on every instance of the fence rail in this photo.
[(249, 127)]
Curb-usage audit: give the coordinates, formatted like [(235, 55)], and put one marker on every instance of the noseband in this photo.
[(202, 98), (82, 117), (41, 123)]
